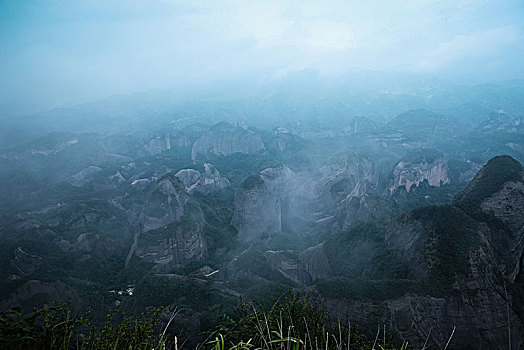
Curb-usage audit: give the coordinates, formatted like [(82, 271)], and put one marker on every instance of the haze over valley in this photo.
[(197, 157)]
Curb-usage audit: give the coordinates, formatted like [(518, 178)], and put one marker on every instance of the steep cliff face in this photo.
[(466, 318), (304, 268), (288, 264), (349, 176), (507, 204), (257, 210), (316, 262), (277, 199), (296, 194), (158, 144), (463, 262), (411, 172), (161, 143), (207, 182), (478, 303), (343, 187), (170, 228), (299, 203), (165, 204), (486, 259), (498, 191), (223, 139)]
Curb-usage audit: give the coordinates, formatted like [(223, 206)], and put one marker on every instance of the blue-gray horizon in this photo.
[(57, 53)]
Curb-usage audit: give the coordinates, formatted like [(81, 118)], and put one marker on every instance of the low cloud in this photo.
[(78, 51), (469, 49)]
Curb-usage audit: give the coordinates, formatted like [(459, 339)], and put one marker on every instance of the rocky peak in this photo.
[(158, 144), (274, 200), (207, 182), (223, 139), (278, 176), (161, 143), (165, 204), (257, 210), (490, 179), (461, 248), (419, 166), (170, 228), (348, 176)]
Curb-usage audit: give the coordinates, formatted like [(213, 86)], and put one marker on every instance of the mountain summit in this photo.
[(490, 179)]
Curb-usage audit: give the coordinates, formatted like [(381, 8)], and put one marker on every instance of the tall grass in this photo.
[(53, 327), (291, 322), (288, 322)]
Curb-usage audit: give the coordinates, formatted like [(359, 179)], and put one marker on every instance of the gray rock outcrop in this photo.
[(279, 199), (257, 210), (158, 144), (316, 262), (483, 301), (170, 227), (343, 187), (207, 182), (288, 264), (223, 139), (409, 174), (161, 143)]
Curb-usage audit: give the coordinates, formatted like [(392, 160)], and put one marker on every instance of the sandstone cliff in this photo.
[(170, 227), (413, 171), (207, 182), (223, 139), (462, 263), (257, 210)]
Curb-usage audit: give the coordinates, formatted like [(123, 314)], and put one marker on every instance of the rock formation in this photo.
[(257, 210), (171, 224), (409, 173), (207, 182), (467, 258), (279, 199), (223, 139)]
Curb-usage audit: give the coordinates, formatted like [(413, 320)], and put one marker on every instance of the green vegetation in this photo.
[(451, 235), (289, 321), (489, 180), (55, 327), (362, 253), (366, 266), (252, 182)]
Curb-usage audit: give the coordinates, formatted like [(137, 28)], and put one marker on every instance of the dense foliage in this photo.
[(488, 180), (290, 320), (55, 327)]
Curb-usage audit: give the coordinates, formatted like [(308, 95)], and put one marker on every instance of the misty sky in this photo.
[(57, 53)]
